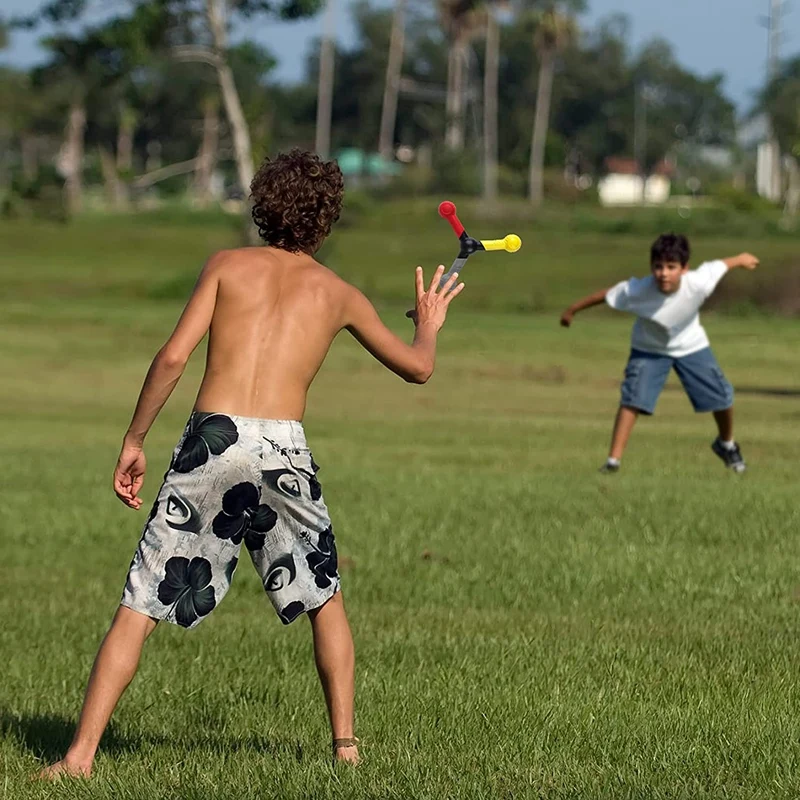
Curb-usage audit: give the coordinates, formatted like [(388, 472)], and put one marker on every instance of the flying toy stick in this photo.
[(510, 244)]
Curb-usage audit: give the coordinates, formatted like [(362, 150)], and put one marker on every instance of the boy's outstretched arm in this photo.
[(595, 299), (415, 362), (162, 377), (743, 260)]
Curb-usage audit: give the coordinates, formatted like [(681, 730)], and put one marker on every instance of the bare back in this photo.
[(272, 312), (275, 316)]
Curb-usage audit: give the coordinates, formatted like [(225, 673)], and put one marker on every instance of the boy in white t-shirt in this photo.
[(668, 335)]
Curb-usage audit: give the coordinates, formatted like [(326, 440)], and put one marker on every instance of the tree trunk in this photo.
[(242, 147), (123, 169), (30, 157), (792, 203), (391, 90), (71, 157), (207, 157), (165, 173), (540, 125), (490, 103), (327, 59), (454, 136), (640, 139), (127, 127), (153, 160), (115, 193)]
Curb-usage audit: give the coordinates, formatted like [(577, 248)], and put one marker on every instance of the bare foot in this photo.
[(348, 755), (64, 768)]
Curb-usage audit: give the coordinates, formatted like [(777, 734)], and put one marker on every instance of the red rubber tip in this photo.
[(448, 211)]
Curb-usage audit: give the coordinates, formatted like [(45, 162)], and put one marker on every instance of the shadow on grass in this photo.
[(254, 743), (47, 736), (768, 391), (759, 391)]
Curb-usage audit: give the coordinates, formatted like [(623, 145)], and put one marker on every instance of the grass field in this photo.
[(525, 627)]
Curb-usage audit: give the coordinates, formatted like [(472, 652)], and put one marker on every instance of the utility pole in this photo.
[(775, 39), (640, 135)]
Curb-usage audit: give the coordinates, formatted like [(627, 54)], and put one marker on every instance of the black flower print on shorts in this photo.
[(186, 589), (242, 517), (323, 561), (206, 435)]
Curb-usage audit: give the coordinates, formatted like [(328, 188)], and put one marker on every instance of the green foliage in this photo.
[(60, 11), (40, 198), (740, 199), (456, 173), (123, 69), (54, 12), (285, 9)]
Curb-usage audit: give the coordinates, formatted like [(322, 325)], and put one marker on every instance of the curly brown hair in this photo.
[(296, 198)]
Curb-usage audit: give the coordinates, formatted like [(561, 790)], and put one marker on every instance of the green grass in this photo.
[(525, 627)]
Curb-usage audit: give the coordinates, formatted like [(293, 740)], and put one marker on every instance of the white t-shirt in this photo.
[(668, 324)]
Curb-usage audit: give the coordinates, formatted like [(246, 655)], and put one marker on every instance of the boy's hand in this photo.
[(431, 306), (129, 475), (744, 260), (567, 317)]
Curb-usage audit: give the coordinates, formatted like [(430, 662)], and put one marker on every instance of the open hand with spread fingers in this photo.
[(431, 307)]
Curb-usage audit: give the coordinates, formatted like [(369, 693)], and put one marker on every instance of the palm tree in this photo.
[(325, 87), (555, 29), (206, 160), (780, 100), (490, 102), (69, 72), (461, 19), (391, 90), (217, 16)]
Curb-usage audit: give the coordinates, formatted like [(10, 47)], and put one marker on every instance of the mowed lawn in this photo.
[(525, 627)]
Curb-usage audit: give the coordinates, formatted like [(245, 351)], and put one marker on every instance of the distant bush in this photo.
[(358, 203), (776, 291), (42, 198), (457, 173), (692, 221), (740, 200)]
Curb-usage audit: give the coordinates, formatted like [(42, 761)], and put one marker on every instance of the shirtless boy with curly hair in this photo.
[(242, 472)]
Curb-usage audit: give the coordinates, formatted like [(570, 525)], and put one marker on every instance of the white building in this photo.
[(624, 185)]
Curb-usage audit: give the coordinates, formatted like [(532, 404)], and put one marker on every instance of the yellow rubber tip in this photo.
[(512, 243)]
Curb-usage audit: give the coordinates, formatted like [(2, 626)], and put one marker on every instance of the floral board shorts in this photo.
[(233, 481)]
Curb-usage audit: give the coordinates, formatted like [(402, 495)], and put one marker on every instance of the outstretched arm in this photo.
[(415, 362), (743, 260), (162, 377), (595, 299)]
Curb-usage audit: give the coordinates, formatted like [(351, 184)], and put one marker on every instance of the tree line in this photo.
[(486, 93)]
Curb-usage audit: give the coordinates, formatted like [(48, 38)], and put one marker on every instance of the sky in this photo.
[(708, 36)]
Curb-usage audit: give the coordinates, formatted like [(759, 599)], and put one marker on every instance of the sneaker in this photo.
[(732, 458), (609, 468)]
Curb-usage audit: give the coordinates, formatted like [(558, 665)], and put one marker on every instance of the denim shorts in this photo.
[(235, 481), (703, 380)]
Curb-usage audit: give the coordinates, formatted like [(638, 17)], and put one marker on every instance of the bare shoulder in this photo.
[(343, 299), (327, 277)]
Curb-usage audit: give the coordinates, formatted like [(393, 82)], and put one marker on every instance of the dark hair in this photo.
[(296, 199), (670, 247)]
